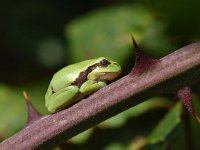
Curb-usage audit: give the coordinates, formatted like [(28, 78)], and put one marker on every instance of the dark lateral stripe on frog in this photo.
[(52, 90), (83, 75)]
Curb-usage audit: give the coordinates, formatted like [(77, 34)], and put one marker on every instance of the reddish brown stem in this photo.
[(185, 95), (33, 114), (172, 72), (142, 62)]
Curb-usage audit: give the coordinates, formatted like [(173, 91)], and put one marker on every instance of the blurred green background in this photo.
[(37, 38)]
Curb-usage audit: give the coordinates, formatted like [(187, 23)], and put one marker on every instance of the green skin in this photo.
[(63, 89)]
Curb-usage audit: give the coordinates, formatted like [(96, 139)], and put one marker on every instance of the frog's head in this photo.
[(105, 70)]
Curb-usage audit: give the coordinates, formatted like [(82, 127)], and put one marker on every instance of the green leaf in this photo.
[(13, 108), (120, 119), (115, 146), (107, 32), (82, 137), (167, 130)]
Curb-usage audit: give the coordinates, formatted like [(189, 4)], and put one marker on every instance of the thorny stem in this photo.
[(142, 61), (172, 72), (33, 114), (189, 144), (185, 95)]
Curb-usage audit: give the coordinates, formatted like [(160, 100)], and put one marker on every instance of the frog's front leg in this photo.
[(62, 98), (91, 86)]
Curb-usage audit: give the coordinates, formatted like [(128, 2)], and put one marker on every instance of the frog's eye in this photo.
[(104, 62)]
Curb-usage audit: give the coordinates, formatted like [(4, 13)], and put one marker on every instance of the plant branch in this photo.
[(172, 72)]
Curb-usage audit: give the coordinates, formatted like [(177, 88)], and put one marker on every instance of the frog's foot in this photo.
[(91, 86)]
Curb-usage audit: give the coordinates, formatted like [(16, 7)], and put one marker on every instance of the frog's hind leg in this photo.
[(63, 98)]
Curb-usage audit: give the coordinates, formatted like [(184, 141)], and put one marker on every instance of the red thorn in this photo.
[(142, 62), (33, 114), (185, 95)]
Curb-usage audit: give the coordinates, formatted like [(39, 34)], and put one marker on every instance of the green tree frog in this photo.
[(75, 81)]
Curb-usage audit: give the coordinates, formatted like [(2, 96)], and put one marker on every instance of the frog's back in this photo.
[(68, 74)]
